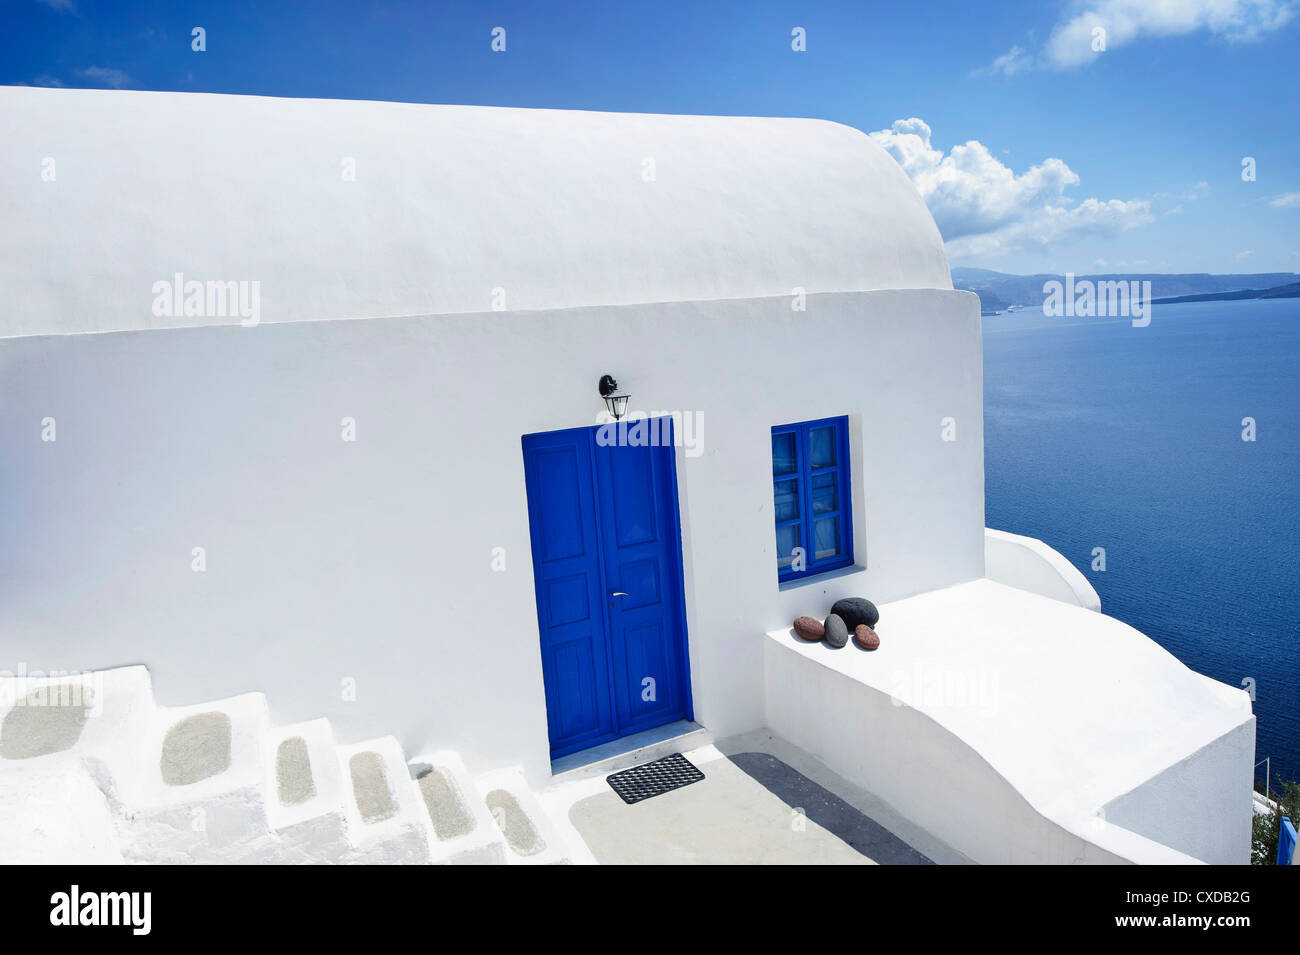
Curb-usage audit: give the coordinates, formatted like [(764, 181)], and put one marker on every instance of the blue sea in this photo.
[(1099, 434)]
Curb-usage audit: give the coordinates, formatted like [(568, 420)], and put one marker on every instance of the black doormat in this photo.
[(653, 779)]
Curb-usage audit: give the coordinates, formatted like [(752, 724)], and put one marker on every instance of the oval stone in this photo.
[(865, 637), (837, 632), (809, 628), (855, 611)]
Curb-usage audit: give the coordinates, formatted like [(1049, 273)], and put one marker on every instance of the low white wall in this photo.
[(1028, 564), (928, 775), (333, 565), (1173, 806)]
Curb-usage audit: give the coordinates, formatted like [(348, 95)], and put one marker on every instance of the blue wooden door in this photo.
[(606, 544)]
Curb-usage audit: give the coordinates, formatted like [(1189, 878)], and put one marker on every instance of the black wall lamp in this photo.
[(616, 404)]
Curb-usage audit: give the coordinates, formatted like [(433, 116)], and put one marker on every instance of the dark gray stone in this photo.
[(856, 610), (837, 632)]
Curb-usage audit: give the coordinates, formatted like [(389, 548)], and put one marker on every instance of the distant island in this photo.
[(1280, 291), (1001, 291)]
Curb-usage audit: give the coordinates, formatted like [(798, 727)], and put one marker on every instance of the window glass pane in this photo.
[(823, 447), (787, 539), (826, 537), (825, 493), (783, 454), (787, 500)]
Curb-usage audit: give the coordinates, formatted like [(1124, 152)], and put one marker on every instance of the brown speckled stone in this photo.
[(809, 629), (865, 637)]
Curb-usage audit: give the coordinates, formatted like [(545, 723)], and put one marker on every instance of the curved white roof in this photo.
[(558, 208)]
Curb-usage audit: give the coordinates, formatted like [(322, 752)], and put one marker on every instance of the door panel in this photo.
[(637, 497), (564, 526), (648, 658), (576, 712), (607, 558), (630, 480), (570, 594), (639, 579)]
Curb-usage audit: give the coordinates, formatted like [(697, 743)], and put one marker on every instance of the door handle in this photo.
[(620, 593)]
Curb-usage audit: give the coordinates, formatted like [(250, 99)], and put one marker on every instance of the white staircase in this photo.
[(92, 770)]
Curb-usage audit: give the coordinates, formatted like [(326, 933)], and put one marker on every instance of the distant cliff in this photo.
[(1281, 291), (997, 290)]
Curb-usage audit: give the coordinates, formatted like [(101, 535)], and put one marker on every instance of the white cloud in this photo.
[(1198, 191), (1014, 61), (984, 208), (1243, 256), (1126, 21), (106, 75), (1285, 200)]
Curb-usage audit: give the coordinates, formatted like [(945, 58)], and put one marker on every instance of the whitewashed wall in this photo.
[(371, 560)]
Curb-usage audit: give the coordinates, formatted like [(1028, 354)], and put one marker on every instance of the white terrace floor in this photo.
[(762, 801)]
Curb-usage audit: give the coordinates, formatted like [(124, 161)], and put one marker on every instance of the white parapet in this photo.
[(1026, 563), (1020, 729)]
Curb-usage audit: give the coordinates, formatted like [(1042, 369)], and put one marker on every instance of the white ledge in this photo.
[(1004, 722)]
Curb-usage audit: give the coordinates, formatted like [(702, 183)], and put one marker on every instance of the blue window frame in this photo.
[(812, 496)]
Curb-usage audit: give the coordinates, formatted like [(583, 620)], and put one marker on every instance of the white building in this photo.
[(341, 469)]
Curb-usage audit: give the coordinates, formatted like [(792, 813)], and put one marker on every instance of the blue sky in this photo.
[(1066, 158)]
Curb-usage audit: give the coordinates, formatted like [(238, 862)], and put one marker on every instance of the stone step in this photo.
[(387, 821), (214, 782), (463, 831), (196, 794), (96, 717), (306, 793), (63, 740), (529, 836)]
